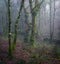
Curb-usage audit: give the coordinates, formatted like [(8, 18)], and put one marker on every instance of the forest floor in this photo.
[(20, 53)]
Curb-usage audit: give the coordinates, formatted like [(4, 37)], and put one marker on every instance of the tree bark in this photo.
[(34, 12), (9, 30), (16, 25)]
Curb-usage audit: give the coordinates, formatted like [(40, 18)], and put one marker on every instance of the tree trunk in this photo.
[(34, 12), (16, 25), (9, 30), (33, 30), (50, 24)]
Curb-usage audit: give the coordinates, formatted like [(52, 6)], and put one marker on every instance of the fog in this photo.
[(33, 23)]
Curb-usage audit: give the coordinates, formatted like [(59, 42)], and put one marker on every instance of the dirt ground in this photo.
[(18, 54)]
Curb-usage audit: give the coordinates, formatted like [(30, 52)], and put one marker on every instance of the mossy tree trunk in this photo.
[(16, 25), (34, 10), (32, 37), (9, 30)]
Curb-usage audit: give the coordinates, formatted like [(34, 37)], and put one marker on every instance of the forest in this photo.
[(29, 31)]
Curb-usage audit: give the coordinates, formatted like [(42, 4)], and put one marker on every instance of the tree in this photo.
[(53, 19), (16, 25), (50, 23), (27, 31), (34, 10), (9, 30)]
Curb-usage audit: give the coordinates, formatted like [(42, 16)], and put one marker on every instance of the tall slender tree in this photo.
[(34, 10), (16, 25), (9, 29), (53, 20), (50, 22), (33, 22), (27, 31)]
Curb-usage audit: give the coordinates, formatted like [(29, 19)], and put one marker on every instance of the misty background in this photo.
[(42, 21)]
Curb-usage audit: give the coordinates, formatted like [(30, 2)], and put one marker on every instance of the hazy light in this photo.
[(15, 1), (57, 3), (47, 7), (26, 3)]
